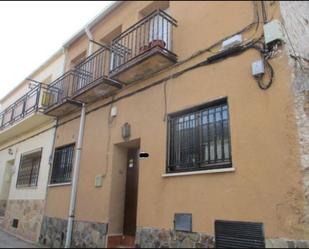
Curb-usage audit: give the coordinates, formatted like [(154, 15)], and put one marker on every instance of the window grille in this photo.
[(62, 166), (199, 139), (29, 168)]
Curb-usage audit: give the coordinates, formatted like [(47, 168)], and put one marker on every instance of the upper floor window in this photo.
[(29, 168), (63, 164), (199, 139)]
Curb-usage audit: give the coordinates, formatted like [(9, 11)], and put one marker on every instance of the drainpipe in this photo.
[(75, 174), (90, 37)]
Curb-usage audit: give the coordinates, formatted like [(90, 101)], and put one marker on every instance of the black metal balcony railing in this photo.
[(155, 30), (24, 106), (60, 89), (91, 70)]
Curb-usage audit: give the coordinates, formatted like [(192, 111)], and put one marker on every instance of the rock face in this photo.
[(166, 238), (85, 234), (29, 214)]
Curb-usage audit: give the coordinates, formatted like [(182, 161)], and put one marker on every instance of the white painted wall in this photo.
[(45, 141)]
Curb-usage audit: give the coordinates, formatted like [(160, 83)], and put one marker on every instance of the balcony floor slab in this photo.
[(145, 64), (61, 109), (25, 125), (100, 88)]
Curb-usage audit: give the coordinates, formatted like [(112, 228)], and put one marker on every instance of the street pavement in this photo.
[(9, 241)]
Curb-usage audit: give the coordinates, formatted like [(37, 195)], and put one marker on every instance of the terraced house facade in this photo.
[(174, 115)]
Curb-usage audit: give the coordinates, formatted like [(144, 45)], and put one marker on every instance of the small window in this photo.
[(62, 167), (29, 168), (199, 139)]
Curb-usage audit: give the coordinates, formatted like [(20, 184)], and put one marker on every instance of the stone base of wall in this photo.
[(53, 232), (29, 214), (286, 243), (85, 234), (2, 207), (165, 238)]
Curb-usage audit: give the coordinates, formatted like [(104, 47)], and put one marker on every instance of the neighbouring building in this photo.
[(195, 112), (26, 146)]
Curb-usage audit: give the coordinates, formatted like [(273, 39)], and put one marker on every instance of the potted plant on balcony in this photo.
[(159, 43)]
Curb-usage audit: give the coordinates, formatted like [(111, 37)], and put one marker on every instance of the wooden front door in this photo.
[(130, 214)]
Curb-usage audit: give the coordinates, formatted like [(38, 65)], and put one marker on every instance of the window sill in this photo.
[(213, 171), (59, 184), (26, 187)]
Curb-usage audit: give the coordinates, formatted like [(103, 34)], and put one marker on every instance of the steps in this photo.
[(121, 241)]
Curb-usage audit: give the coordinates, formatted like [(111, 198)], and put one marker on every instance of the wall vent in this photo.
[(15, 223), (236, 234)]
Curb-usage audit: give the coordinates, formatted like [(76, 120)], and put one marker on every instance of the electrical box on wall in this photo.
[(98, 181), (183, 222), (273, 32), (231, 42), (114, 111), (258, 68)]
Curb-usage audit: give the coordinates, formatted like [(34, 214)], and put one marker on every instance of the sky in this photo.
[(33, 31)]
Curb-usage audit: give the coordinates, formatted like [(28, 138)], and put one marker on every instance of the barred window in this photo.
[(29, 168), (199, 138), (62, 167)]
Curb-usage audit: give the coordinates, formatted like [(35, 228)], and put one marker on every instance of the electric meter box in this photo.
[(98, 181), (258, 68), (273, 32)]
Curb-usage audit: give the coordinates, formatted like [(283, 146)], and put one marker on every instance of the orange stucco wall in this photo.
[(266, 185)]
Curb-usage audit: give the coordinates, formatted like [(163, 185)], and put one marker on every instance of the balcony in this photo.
[(92, 82), (23, 115), (144, 48), (86, 83), (56, 97)]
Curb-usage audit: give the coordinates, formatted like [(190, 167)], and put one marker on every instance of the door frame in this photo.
[(131, 201)]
